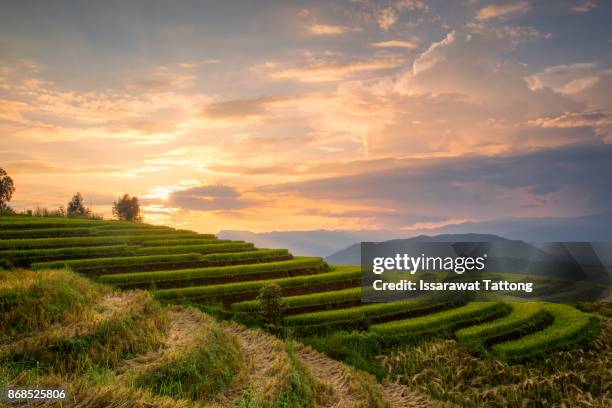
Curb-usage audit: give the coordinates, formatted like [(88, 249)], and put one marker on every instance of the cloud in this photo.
[(463, 94), (143, 125), (208, 198), (503, 10), (197, 64), (584, 6), (546, 182), (13, 110), (576, 119), (396, 44), (565, 79), (151, 83), (47, 167), (388, 218), (239, 108), (584, 82), (388, 16), (161, 77), (324, 70), (330, 29)]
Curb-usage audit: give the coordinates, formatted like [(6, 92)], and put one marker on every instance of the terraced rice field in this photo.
[(184, 266), (179, 266)]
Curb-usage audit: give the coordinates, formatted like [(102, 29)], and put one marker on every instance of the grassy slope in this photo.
[(123, 349)]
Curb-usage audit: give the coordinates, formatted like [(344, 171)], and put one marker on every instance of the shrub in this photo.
[(7, 188), (127, 208), (76, 208), (271, 304)]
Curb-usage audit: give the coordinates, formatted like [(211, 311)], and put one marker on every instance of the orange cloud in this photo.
[(326, 70), (412, 44), (502, 10), (47, 167), (331, 29), (575, 119)]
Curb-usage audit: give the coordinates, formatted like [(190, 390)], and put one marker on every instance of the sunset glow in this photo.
[(310, 115)]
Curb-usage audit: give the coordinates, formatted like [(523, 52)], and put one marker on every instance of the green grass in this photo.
[(44, 232), (201, 249), (34, 255), (32, 222), (50, 224), (569, 329), (76, 231), (212, 291), (128, 226), (524, 315), (178, 234), (358, 313), (187, 241), (99, 264), (313, 299), (237, 257), (140, 231), (444, 321), (313, 264), (146, 240)]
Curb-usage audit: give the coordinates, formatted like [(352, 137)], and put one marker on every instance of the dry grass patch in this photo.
[(34, 301), (448, 371), (120, 326)]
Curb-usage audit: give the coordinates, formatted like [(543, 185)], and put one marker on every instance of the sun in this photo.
[(160, 193)]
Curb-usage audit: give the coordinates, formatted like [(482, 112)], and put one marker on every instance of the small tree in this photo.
[(7, 188), (127, 208), (76, 207), (271, 303)]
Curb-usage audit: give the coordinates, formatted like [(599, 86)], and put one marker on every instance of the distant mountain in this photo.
[(352, 254), (308, 243), (591, 228)]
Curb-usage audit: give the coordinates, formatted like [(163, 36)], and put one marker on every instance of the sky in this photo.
[(303, 115)]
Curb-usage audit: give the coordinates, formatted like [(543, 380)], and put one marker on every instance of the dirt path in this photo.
[(353, 391), (263, 357), (185, 324), (334, 373), (401, 396)]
